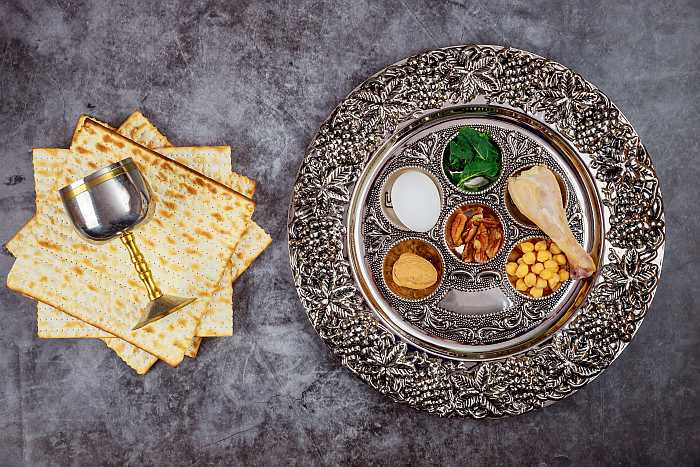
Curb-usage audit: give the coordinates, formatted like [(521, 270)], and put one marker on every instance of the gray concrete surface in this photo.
[(261, 77)]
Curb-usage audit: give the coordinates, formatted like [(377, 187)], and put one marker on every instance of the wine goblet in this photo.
[(109, 203)]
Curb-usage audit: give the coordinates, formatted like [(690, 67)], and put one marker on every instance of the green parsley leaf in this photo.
[(469, 155)]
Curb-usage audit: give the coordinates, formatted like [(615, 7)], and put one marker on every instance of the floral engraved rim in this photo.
[(592, 336)]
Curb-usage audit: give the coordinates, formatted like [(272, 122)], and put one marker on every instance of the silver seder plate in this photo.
[(475, 346)]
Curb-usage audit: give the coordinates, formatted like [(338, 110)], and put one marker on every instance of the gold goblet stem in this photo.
[(141, 266)]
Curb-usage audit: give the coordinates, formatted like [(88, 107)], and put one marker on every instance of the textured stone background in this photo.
[(262, 77)]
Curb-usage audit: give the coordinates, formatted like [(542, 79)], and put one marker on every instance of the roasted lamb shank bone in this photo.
[(536, 194)]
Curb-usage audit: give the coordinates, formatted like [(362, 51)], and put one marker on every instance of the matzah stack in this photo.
[(193, 266)]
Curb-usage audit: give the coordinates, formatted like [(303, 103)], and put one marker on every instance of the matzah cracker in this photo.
[(217, 319), (58, 325), (216, 322), (201, 157), (138, 128), (136, 358), (105, 144), (214, 162)]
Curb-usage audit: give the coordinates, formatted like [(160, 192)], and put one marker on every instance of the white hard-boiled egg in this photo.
[(416, 200)]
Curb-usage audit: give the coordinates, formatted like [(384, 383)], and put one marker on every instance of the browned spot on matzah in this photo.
[(118, 345), (149, 243), (175, 194), (165, 213), (49, 244), (108, 139), (189, 189), (43, 279), (220, 230), (218, 216), (81, 246), (92, 165), (170, 240), (158, 221), (199, 181), (190, 251), (188, 237), (203, 233), (170, 205), (132, 283), (119, 303), (101, 147), (92, 287), (82, 150), (77, 270)]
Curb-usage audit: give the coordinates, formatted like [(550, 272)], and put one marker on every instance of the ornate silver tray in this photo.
[(430, 353)]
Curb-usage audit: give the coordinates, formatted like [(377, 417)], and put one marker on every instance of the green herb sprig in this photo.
[(472, 160)]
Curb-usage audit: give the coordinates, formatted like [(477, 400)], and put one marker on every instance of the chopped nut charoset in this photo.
[(474, 233)]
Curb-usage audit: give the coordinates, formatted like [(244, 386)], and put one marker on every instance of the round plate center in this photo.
[(475, 312)]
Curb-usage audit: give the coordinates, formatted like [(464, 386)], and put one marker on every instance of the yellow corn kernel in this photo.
[(541, 283), (530, 279), (553, 281), (529, 258), (511, 268), (537, 268), (536, 292), (551, 264), (563, 275), (541, 245), (522, 271), (560, 259), (543, 256), (554, 249), (526, 247), (546, 274), (520, 285)]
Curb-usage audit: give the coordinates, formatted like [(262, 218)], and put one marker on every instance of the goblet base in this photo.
[(161, 307)]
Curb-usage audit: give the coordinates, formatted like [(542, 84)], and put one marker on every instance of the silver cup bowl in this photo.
[(109, 203)]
